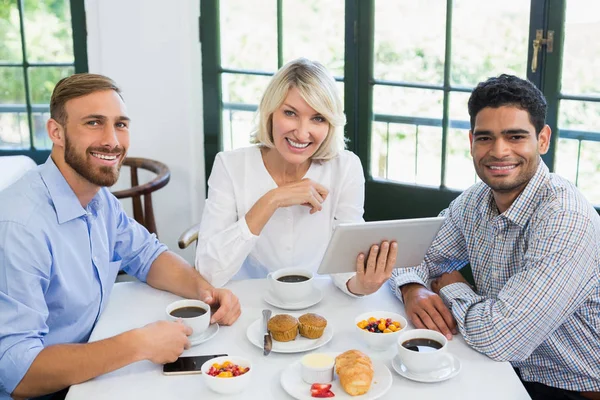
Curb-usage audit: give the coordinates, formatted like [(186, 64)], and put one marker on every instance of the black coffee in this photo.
[(422, 345), (188, 312), (292, 278)]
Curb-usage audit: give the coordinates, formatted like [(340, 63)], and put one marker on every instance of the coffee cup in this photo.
[(193, 313), (423, 350), (291, 285)]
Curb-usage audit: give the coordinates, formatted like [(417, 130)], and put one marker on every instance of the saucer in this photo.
[(315, 297), (255, 335), (439, 375), (292, 383), (208, 334)]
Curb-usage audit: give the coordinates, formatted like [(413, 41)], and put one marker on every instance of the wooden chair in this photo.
[(144, 215)]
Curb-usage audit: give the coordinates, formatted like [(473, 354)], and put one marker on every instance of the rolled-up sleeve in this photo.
[(137, 247), (25, 262)]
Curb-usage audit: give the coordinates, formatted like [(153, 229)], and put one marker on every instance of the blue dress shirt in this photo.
[(58, 264)]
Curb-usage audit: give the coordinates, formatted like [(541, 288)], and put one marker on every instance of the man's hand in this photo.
[(447, 279), (224, 303), (427, 310), (376, 272), (163, 341)]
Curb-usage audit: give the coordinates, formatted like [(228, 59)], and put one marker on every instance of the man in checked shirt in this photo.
[(533, 243)]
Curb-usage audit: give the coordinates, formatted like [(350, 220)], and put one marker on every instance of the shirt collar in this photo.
[(523, 207), (63, 198)]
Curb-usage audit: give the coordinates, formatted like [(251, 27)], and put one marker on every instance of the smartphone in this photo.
[(188, 365)]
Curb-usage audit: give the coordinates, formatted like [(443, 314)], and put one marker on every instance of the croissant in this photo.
[(355, 371)]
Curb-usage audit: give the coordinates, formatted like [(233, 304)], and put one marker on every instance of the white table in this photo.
[(133, 304)]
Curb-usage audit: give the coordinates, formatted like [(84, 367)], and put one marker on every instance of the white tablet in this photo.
[(414, 236)]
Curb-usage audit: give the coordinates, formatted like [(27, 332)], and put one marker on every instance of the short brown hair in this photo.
[(75, 86)]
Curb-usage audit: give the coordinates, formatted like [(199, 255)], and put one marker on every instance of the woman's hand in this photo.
[(305, 192), (378, 269)]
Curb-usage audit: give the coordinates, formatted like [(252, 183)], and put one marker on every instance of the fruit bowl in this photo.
[(234, 380), (375, 338)]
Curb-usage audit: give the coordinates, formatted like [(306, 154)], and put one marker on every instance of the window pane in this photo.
[(566, 159), (42, 81), (489, 38), (314, 29), (589, 168), (410, 40), (581, 57), (237, 126), (247, 89), (12, 87), (460, 173), (14, 132), (48, 31), (407, 101), (40, 136), (249, 34), (10, 35), (579, 115), (406, 153)]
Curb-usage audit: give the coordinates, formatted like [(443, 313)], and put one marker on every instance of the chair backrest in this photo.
[(12, 168), (144, 215)]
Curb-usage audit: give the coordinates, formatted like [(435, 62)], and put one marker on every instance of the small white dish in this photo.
[(439, 375), (292, 383), (208, 334), (315, 297), (230, 385), (255, 335)]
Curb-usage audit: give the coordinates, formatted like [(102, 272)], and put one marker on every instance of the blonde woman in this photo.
[(274, 205)]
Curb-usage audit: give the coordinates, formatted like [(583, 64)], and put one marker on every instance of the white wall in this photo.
[(151, 49)]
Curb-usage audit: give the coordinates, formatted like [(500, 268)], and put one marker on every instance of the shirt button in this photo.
[(96, 259)]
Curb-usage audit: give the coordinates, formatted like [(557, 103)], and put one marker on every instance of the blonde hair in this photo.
[(317, 87), (74, 86)]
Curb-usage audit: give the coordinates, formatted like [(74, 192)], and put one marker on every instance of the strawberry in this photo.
[(320, 386), (322, 394)]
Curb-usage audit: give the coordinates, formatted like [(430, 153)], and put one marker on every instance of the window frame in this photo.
[(80, 64)]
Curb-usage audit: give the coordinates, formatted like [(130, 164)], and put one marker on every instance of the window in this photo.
[(42, 42), (407, 70)]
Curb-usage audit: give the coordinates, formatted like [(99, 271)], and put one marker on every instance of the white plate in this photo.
[(293, 384), (208, 334), (255, 334), (439, 375), (315, 297)]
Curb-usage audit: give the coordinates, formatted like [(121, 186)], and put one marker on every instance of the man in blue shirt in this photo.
[(64, 238)]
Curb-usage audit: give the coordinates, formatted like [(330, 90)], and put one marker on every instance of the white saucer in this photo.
[(442, 374), (292, 383), (255, 335), (315, 297), (208, 334)]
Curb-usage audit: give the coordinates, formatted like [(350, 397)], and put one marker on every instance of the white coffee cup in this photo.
[(198, 324), (291, 292), (423, 362)]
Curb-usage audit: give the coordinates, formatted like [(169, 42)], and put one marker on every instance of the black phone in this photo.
[(188, 365)]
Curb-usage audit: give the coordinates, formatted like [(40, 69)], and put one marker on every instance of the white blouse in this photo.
[(292, 237)]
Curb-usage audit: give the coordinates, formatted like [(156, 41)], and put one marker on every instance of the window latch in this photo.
[(538, 42)]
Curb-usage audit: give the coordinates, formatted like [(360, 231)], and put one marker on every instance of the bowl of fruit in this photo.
[(227, 374), (380, 329)]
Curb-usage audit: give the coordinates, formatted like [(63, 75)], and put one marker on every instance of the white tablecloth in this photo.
[(134, 304)]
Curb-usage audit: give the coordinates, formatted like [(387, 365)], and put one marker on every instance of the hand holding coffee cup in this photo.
[(291, 285), (193, 313), (423, 350)]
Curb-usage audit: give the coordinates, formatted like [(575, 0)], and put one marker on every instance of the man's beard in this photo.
[(102, 176)]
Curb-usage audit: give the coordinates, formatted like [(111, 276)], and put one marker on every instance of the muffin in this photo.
[(283, 327), (312, 325)]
